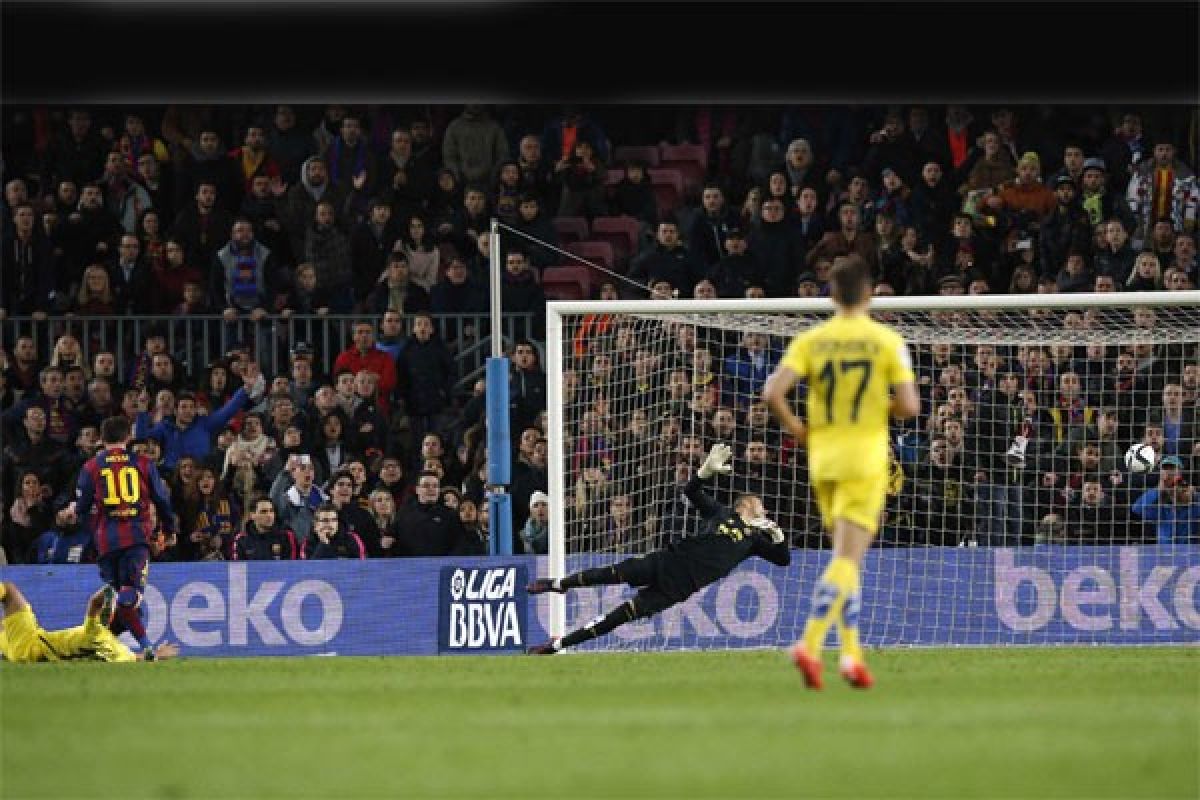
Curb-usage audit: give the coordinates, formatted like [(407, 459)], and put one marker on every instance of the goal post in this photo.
[(1010, 520)]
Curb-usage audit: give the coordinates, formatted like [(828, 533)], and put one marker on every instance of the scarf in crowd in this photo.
[(243, 289)]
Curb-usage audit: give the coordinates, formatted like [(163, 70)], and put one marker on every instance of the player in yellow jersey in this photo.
[(852, 364), (23, 641)]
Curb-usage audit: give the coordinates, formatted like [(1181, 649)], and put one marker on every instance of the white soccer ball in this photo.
[(1140, 458)]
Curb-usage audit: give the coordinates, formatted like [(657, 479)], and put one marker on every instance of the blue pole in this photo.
[(499, 456)]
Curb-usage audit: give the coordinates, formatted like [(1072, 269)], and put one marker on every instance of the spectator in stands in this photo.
[(1146, 275), (30, 514), (535, 535), (395, 291), (363, 354), (158, 180), (245, 276), (422, 253), (634, 194), (667, 260), (581, 175), (296, 495), (405, 181), (536, 174), (218, 518), (330, 538), (1026, 198), (208, 162), (96, 297), (458, 292), (1172, 506), (995, 167), (354, 516), (287, 144), (1066, 229), (521, 293), (1098, 201), (169, 279), (252, 158), (425, 374), (130, 277), (124, 197), (186, 433), (527, 385), (1162, 187), (533, 222), (202, 226), (352, 165), (1183, 255), (262, 539), (77, 153), (62, 423), (382, 507), (848, 239), (737, 269), (706, 242), (428, 527), (305, 296), (327, 248), (473, 145), (30, 268), (891, 147), (298, 205)]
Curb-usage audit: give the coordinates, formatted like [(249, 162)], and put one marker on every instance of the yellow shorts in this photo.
[(22, 640), (859, 501)]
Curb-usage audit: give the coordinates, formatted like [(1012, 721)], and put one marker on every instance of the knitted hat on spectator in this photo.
[(539, 497), (1171, 461), (1030, 158), (1095, 163), (1063, 180)]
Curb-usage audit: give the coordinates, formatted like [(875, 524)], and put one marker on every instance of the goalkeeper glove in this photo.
[(716, 461), (770, 528)]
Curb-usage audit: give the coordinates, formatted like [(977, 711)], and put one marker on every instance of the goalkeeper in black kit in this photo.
[(671, 575)]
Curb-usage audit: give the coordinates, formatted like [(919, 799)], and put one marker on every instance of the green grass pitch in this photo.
[(1018, 722)]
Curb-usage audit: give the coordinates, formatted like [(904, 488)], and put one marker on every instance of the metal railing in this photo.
[(195, 341)]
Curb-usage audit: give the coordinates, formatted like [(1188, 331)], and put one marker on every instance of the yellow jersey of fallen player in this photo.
[(23, 641), (850, 363)]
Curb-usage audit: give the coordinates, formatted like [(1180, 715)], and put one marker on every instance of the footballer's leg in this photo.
[(837, 596), (11, 599), (131, 573), (645, 603), (637, 571)]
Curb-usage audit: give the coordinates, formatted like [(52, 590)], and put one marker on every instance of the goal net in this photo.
[(1011, 516)]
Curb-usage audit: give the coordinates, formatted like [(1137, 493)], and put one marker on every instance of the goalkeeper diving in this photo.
[(671, 575)]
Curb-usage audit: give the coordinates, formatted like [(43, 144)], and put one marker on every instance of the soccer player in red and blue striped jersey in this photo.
[(121, 486)]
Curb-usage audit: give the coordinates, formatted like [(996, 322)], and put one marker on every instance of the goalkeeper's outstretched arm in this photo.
[(716, 462)]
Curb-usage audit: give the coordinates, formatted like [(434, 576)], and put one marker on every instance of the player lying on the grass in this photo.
[(671, 575), (23, 641)]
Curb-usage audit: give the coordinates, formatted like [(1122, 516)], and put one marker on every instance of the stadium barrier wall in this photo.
[(1036, 596)]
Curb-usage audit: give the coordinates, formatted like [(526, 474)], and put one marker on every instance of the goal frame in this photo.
[(557, 310)]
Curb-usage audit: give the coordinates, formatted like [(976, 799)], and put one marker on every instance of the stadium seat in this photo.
[(629, 152), (668, 188), (567, 283), (690, 159), (595, 252), (621, 232), (571, 229)]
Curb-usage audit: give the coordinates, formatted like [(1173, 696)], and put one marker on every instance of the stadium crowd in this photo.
[(233, 217)]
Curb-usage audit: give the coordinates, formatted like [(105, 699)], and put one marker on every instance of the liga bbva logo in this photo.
[(482, 609)]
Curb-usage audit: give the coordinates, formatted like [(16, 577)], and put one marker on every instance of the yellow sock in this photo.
[(847, 619), (839, 581), (3, 591)]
